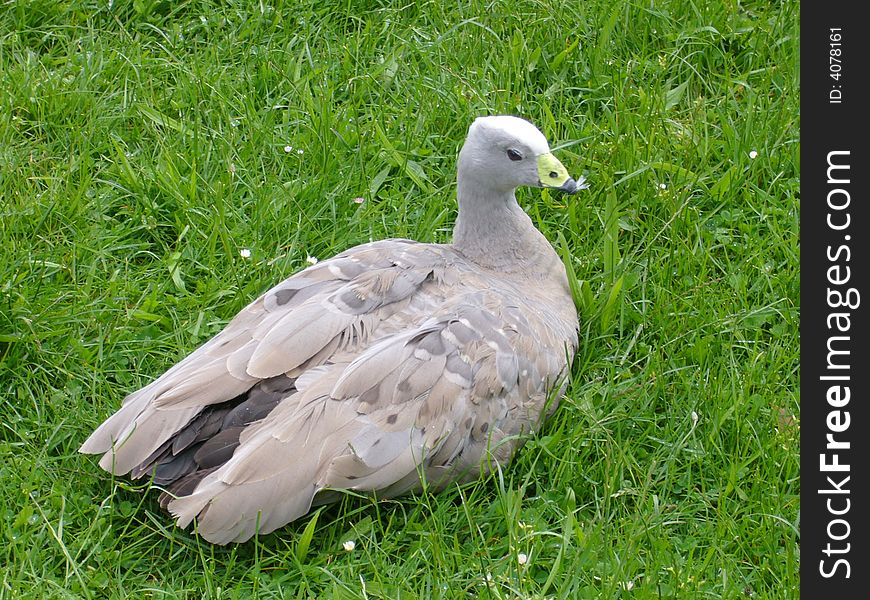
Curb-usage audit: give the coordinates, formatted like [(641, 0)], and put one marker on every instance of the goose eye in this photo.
[(514, 154)]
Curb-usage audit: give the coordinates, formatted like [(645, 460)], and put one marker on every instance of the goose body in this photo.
[(389, 362)]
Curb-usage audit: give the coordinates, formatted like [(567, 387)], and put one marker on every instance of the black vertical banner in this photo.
[(835, 299)]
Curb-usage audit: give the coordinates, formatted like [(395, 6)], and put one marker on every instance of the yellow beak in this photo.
[(552, 174)]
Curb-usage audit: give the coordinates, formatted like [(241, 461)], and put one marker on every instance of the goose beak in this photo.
[(552, 174)]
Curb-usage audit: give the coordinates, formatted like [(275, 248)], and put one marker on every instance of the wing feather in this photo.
[(394, 366)]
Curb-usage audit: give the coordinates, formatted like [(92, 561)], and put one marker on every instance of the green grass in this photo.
[(144, 144)]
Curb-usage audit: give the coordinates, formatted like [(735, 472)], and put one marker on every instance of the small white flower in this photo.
[(627, 585), (359, 200), (311, 260), (694, 418), (234, 123), (753, 154), (288, 148), (663, 186), (245, 253), (522, 558), (349, 545), (300, 151)]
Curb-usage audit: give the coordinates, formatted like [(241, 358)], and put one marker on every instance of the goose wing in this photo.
[(434, 402), (335, 306)]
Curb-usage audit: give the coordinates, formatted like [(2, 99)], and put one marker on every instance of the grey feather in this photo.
[(392, 361)]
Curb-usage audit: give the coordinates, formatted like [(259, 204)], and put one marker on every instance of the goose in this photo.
[(392, 366)]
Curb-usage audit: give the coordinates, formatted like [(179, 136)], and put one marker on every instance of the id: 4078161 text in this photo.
[(835, 64)]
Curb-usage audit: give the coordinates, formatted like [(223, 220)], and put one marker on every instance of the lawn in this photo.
[(163, 163)]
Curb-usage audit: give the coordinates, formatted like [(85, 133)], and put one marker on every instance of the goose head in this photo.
[(502, 153)]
